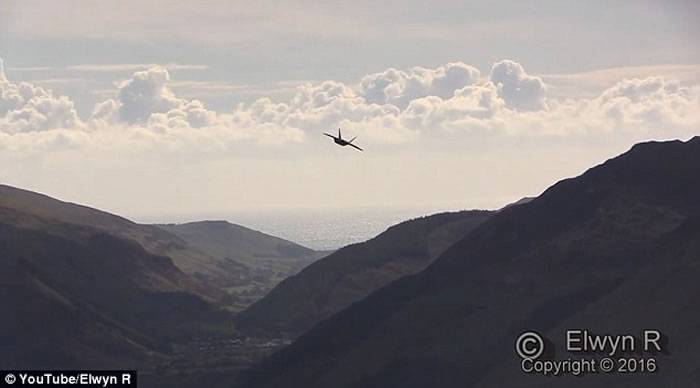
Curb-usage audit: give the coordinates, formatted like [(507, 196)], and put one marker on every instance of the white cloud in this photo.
[(471, 107), (591, 84), (518, 89), (145, 94), (401, 87), (25, 108), (318, 107), (393, 106), (146, 102), (396, 105), (649, 103), (147, 99), (144, 114)]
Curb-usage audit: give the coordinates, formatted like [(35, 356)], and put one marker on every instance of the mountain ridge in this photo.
[(354, 271), (260, 260), (249, 265)]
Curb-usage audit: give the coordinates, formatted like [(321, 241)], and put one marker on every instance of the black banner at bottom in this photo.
[(66, 378)]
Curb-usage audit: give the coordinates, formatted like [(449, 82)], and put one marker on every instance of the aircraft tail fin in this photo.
[(340, 136), (351, 140)]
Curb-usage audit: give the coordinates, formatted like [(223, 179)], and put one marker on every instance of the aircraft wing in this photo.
[(352, 145), (329, 135)]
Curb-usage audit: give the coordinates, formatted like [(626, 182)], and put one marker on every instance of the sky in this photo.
[(164, 110)]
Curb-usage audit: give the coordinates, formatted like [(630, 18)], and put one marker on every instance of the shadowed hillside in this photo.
[(353, 272), (153, 239), (78, 297)]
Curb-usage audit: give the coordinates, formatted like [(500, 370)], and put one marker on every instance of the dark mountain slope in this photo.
[(153, 239), (663, 298), (612, 251), (75, 296), (353, 272)]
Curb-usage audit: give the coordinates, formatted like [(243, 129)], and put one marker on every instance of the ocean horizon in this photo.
[(319, 229)]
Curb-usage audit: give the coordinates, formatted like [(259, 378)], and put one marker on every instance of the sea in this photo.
[(327, 229), (318, 229)]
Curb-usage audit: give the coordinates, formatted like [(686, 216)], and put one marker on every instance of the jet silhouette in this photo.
[(341, 142)]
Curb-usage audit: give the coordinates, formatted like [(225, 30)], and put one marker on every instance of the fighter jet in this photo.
[(342, 142)]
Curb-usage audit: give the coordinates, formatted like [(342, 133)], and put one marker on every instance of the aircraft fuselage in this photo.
[(340, 142)]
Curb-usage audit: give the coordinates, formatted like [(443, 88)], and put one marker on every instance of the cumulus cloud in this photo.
[(392, 106), (518, 89), (469, 107), (146, 102), (316, 107), (649, 102), (145, 94), (396, 105), (25, 108), (145, 113), (401, 87), (146, 99)]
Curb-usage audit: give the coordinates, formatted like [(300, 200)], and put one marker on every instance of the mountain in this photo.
[(221, 238), (612, 251), (153, 239), (75, 296), (261, 261), (236, 264), (353, 272)]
